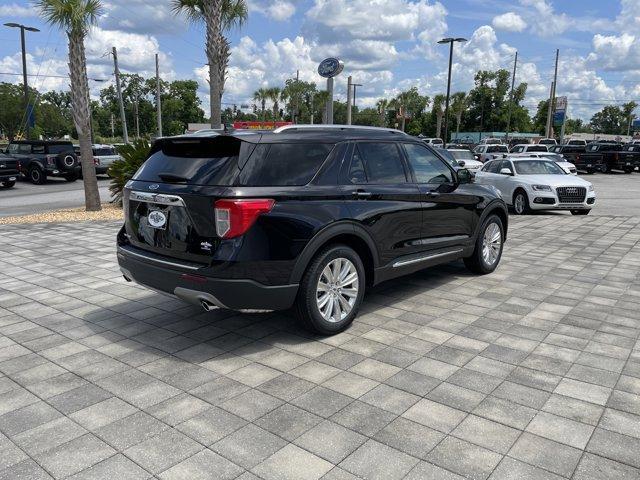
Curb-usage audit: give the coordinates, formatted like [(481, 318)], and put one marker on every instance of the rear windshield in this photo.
[(498, 149), (537, 148), (196, 161), (61, 148), (227, 161), (104, 151), (280, 164)]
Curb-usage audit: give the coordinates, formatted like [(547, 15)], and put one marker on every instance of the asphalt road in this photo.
[(618, 194), (26, 198)]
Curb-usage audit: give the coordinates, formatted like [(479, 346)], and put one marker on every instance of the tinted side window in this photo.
[(494, 167), (357, 174), (13, 148), (285, 164), (427, 167), (24, 148), (38, 149), (382, 162)]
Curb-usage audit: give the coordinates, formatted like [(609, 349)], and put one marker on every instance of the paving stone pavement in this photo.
[(532, 372)]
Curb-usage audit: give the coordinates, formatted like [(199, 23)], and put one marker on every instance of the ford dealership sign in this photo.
[(330, 67)]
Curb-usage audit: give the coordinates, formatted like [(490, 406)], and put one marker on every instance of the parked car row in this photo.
[(37, 160)]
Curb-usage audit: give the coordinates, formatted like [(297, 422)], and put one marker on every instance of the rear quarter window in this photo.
[(284, 164)]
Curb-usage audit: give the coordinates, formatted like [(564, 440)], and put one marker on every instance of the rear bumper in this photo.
[(189, 283), (9, 177)]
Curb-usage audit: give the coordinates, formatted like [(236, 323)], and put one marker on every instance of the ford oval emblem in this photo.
[(330, 67), (154, 186)]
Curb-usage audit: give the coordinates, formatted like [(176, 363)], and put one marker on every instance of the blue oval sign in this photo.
[(330, 67)]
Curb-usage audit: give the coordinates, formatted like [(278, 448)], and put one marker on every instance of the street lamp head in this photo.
[(451, 40), (13, 25), (32, 29)]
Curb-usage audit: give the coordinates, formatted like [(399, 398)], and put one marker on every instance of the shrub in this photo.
[(133, 155)]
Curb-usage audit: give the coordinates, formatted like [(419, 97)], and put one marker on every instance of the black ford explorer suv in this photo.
[(40, 159), (304, 217)]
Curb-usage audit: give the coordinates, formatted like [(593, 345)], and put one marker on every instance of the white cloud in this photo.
[(141, 16), (279, 10), (510, 22), (544, 20), (14, 10)]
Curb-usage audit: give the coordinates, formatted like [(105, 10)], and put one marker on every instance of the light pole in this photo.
[(450, 41), (24, 67)]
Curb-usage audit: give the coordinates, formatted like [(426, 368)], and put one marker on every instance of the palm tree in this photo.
[(438, 108), (261, 95), (76, 17), (219, 16), (459, 101), (400, 104), (383, 106), (274, 95)]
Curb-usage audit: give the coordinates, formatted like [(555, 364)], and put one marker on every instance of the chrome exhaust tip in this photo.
[(207, 306)]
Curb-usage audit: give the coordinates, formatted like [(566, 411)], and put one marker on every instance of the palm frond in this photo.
[(71, 15), (192, 9), (234, 14)]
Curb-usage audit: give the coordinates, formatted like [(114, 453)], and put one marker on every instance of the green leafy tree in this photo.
[(132, 156), (76, 17), (12, 110)]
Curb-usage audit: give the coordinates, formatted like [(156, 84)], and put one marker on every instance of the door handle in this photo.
[(433, 194), (361, 194)]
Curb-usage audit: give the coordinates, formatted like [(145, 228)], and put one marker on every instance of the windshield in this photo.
[(498, 149), (554, 156), (538, 167), (104, 151), (462, 154), (448, 156)]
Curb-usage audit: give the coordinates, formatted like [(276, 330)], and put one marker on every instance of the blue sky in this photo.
[(387, 45)]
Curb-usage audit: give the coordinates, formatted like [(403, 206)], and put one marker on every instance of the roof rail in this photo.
[(336, 127)]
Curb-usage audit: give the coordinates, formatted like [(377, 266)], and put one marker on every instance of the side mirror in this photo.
[(506, 171), (464, 176), (477, 155), (461, 163)]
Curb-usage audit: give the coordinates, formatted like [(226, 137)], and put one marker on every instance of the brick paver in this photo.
[(531, 372)]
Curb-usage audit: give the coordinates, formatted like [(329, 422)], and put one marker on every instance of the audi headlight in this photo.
[(591, 189), (541, 188)]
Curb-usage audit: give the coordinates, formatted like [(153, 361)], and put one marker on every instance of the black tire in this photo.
[(8, 184), (477, 262), (37, 175), (589, 171), (306, 306), (72, 177), (628, 171), (525, 209), (605, 168), (580, 212)]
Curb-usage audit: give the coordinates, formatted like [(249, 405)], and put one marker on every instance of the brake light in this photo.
[(96, 161), (235, 217), (51, 160)]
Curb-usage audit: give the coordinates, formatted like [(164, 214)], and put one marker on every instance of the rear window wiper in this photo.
[(172, 178)]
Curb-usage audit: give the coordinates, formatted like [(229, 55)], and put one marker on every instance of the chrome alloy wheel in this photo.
[(337, 289), (491, 244), (518, 204)]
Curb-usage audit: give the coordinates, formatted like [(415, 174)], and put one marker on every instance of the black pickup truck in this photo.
[(40, 159), (9, 171), (577, 155), (610, 155), (631, 155)]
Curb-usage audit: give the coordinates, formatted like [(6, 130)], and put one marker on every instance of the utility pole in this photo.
[(158, 101), (330, 101), (312, 109), (135, 106), (349, 79), (552, 97), (113, 130), (513, 84), (125, 135), (297, 96)]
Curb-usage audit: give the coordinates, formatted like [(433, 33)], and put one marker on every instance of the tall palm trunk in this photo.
[(439, 117), (82, 117), (458, 122), (212, 16), (223, 55)]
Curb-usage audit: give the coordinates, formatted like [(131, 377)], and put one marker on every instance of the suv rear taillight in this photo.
[(96, 161), (235, 217), (51, 159)]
